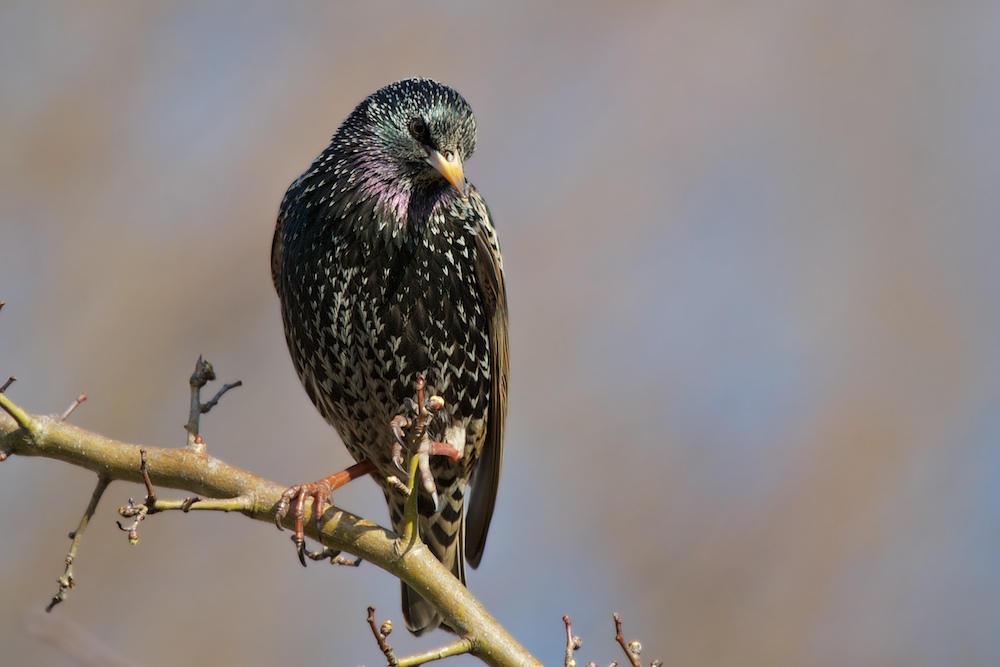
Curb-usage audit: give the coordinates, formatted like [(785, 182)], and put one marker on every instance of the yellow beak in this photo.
[(451, 168)]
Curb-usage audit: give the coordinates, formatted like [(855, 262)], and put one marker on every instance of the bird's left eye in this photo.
[(418, 128)]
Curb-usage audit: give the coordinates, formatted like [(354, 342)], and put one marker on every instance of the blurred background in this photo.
[(751, 262)]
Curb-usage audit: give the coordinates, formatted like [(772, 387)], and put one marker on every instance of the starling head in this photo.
[(412, 136)]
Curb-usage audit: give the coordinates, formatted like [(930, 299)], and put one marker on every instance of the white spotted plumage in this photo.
[(386, 272)]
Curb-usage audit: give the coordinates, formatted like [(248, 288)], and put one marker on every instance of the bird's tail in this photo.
[(443, 532)]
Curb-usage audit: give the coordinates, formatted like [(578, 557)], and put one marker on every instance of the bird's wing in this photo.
[(290, 207), (276, 251), (486, 477)]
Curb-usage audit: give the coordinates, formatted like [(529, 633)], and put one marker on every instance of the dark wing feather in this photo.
[(486, 476), (276, 245)]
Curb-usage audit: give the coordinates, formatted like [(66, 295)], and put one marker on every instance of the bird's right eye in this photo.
[(418, 128)]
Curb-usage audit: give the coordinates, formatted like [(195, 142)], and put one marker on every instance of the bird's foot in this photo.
[(409, 431), (321, 493), (426, 448)]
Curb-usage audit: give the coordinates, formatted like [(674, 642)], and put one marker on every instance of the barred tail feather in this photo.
[(444, 534)]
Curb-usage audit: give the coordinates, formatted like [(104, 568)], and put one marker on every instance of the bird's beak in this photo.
[(451, 169)]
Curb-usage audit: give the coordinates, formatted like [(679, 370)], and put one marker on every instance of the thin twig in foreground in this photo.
[(66, 581), (380, 636), (572, 644), (79, 399)]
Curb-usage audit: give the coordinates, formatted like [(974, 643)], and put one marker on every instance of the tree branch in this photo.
[(193, 470)]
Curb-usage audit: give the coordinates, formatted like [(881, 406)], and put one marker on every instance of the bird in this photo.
[(388, 268)]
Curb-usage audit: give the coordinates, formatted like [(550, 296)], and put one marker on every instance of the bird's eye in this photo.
[(418, 128)]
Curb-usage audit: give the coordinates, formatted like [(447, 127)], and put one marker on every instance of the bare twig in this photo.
[(632, 649), (141, 510), (66, 581), (457, 647), (572, 644), (133, 509), (215, 399), (79, 399), (203, 374), (11, 380), (144, 471), (380, 636), (21, 417), (236, 504), (153, 505), (136, 510)]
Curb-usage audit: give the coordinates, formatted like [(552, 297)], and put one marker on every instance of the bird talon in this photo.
[(280, 511), (321, 493), (399, 425), (300, 548), (397, 456), (436, 499)]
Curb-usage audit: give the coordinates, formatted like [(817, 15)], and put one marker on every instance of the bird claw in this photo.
[(397, 457), (321, 493), (398, 426)]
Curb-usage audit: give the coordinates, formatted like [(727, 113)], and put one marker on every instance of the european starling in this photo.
[(387, 266)]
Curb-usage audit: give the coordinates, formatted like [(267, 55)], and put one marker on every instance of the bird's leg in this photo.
[(435, 448), (321, 493)]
